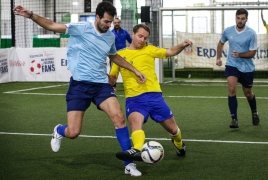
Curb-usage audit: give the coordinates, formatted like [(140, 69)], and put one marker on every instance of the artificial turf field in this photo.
[(29, 112)]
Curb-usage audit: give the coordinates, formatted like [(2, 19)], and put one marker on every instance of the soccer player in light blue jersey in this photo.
[(239, 66), (88, 47)]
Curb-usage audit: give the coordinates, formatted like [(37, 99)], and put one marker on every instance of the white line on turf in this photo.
[(197, 97), (44, 87), (22, 91), (157, 139)]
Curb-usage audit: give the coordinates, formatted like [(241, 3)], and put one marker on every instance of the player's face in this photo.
[(117, 23), (241, 21), (104, 23), (139, 39)]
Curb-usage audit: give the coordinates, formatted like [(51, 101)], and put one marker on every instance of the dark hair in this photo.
[(242, 11), (107, 7), (138, 26)]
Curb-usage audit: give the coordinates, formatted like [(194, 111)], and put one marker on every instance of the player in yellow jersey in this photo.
[(144, 100), (264, 22)]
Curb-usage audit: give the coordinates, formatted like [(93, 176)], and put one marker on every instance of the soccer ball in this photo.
[(152, 152), (35, 67)]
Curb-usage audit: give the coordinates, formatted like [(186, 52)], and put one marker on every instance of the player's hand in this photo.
[(219, 62), (235, 54), (21, 11), (142, 77), (112, 79), (187, 43)]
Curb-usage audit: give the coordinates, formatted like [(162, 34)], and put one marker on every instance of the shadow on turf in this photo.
[(109, 160), (76, 161)]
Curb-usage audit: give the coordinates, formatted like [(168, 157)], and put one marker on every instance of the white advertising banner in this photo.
[(36, 64), (4, 71), (39, 64), (204, 51)]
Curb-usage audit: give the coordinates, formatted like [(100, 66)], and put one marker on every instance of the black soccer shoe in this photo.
[(129, 155), (234, 123), (180, 152), (255, 119)]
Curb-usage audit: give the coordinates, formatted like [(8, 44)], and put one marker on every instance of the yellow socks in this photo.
[(177, 139), (138, 138)]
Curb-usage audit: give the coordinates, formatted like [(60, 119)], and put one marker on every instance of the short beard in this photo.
[(240, 27), (100, 30)]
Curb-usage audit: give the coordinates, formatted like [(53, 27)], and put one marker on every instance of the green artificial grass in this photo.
[(214, 151)]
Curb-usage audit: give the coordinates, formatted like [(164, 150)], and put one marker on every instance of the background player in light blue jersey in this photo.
[(88, 47), (239, 66)]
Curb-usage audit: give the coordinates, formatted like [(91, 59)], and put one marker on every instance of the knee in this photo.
[(232, 90), (174, 131), (72, 134), (118, 120), (248, 95)]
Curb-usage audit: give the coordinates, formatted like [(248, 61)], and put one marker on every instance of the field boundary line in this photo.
[(22, 91), (44, 87), (156, 139), (197, 97)]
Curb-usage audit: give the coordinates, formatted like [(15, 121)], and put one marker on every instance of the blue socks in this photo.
[(253, 105), (61, 130), (122, 135), (232, 103)]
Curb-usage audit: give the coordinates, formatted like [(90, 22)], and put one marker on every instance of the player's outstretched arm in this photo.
[(263, 21), (41, 21), (123, 63), (178, 48)]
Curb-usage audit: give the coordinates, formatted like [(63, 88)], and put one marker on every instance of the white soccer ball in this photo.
[(152, 152)]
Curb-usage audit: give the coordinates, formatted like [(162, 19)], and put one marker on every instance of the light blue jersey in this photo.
[(241, 42), (87, 51)]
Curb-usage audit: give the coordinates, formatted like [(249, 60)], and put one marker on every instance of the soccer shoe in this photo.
[(255, 119), (182, 151), (56, 140), (132, 170), (234, 123), (129, 155)]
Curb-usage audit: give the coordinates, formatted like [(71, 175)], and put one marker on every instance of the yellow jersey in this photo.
[(143, 60)]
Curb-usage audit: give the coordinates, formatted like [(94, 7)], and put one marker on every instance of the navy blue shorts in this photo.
[(246, 79), (80, 94), (149, 104)]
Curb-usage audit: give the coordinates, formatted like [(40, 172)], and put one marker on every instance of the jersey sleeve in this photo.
[(76, 28), (253, 42), (157, 52), (224, 37), (112, 50)]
